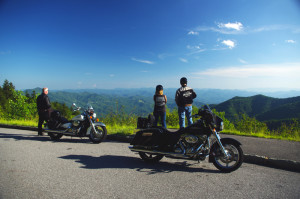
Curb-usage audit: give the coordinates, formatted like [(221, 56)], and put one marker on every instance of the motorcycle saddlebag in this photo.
[(56, 120), (149, 137), (144, 123)]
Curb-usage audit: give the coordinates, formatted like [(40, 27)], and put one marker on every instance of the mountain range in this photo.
[(261, 107), (140, 101)]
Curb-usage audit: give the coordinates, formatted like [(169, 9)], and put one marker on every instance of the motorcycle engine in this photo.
[(76, 123), (191, 139), (192, 142)]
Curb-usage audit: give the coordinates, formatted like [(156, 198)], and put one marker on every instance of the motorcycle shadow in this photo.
[(125, 162), (45, 138)]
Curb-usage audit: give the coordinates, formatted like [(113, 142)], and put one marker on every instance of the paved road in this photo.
[(35, 167)]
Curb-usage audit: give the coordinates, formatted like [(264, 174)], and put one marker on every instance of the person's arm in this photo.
[(194, 94), (47, 102), (166, 98), (177, 97)]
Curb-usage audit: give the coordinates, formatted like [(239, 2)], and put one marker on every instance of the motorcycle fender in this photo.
[(95, 124), (223, 141)]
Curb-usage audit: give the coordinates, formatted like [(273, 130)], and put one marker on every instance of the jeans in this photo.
[(162, 116), (182, 112)]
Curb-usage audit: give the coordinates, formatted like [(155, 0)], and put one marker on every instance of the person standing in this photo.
[(44, 109), (160, 101), (184, 99)]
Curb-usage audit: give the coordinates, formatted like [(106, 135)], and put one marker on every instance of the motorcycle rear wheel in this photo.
[(100, 135), (150, 158), (233, 162), (55, 136)]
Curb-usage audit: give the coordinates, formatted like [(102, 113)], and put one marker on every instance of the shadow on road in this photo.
[(123, 162), (65, 139)]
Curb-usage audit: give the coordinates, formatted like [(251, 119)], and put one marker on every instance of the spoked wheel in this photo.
[(55, 136), (151, 158), (230, 163), (99, 135)]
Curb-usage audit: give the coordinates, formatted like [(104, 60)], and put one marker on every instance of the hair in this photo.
[(45, 89)]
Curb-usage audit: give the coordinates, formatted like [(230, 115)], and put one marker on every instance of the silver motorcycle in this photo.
[(82, 125)]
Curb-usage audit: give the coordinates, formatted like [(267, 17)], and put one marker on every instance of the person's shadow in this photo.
[(124, 162)]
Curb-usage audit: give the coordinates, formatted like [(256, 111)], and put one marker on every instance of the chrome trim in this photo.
[(218, 138), (159, 152)]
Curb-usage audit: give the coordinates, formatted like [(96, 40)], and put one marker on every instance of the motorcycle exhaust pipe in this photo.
[(181, 155), (58, 132)]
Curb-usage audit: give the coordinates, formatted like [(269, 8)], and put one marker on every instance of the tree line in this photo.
[(16, 105)]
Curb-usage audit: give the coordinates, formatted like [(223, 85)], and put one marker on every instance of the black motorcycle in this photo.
[(194, 142), (82, 125)]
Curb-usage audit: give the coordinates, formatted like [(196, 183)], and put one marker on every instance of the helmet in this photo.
[(159, 88), (183, 80)]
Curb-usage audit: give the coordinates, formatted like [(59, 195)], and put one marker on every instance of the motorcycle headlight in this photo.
[(94, 115)]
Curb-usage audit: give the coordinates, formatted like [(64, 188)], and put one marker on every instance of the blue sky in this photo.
[(71, 44)]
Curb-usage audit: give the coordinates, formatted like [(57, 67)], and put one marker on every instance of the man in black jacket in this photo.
[(44, 109), (184, 99)]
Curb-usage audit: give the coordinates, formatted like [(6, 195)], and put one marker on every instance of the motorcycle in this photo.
[(194, 142), (82, 125)]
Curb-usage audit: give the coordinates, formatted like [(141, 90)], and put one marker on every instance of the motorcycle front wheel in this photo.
[(150, 158), (230, 163), (99, 135)]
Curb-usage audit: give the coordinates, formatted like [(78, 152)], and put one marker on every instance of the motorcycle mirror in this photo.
[(74, 104)]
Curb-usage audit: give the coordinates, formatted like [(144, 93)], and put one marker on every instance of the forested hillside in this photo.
[(261, 107)]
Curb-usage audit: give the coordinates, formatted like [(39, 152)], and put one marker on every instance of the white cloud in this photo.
[(142, 61), (236, 26), (243, 61), (193, 33), (231, 44), (183, 60), (287, 70), (290, 41), (111, 75), (195, 49)]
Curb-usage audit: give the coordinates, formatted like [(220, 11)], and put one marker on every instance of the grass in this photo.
[(30, 123), (131, 130), (263, 135)]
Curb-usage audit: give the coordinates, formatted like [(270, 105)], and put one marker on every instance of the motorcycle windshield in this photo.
[(206, 107), (89, 108)]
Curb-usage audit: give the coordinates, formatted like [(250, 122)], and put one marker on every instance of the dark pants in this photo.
[(43, 116), (162, 116)]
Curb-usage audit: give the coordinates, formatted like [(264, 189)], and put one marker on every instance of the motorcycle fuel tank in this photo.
[(78, 118)]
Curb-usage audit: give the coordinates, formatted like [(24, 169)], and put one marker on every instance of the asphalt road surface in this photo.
[(36, 167)]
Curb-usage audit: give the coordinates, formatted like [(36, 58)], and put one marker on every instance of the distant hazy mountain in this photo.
[(140, 101), (207, 96), (261, 107)]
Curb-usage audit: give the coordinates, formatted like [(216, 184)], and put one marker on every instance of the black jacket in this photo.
[(184, 95), (43, 102)]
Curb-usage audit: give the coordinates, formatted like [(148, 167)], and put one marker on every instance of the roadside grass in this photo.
[(131, 130), (264, 135), (30, 123)]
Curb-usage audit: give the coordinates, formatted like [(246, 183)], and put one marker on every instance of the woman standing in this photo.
[(160, 101)]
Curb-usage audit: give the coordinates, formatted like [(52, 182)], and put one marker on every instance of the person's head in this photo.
[(183, 81), (45, 91), (159, 90)]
